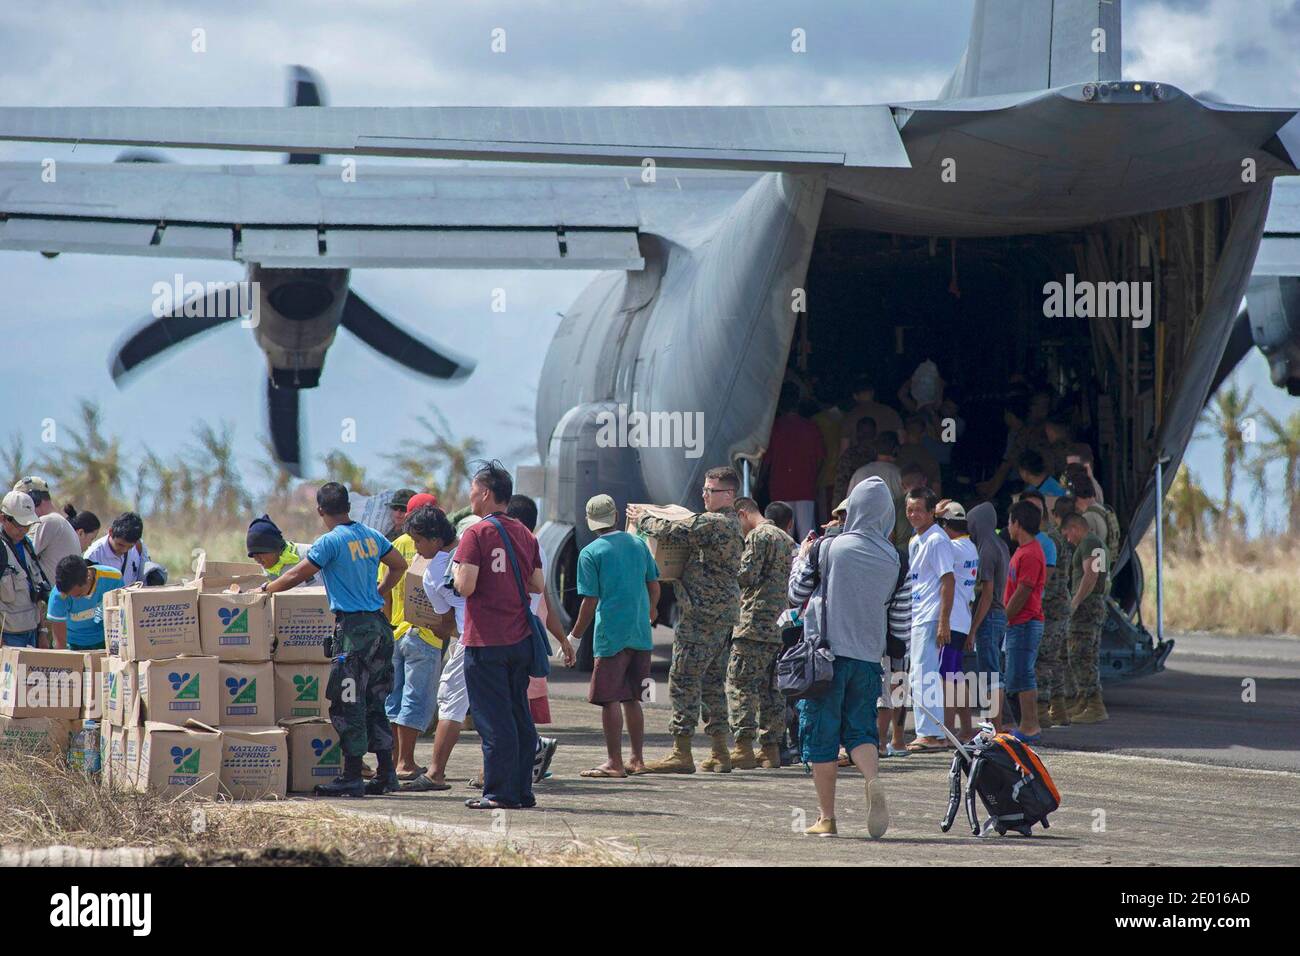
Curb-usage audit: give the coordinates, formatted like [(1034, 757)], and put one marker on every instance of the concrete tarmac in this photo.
[(1184, 773)]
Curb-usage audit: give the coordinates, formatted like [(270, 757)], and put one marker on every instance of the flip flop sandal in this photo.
[(919, 748), (483, 803), (601, 772), (422, 784), (412, 774)]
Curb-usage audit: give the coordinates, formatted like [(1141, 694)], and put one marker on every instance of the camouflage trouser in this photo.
[(752, 698), (1049, 671), (361, 677), (695, 680), (1083, 645)]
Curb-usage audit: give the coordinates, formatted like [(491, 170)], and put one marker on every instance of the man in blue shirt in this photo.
[(348, 556), (76, 612), (1033, 472)]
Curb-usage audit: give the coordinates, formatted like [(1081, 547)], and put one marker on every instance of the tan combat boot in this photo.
[(1093, 711), (1076, 704), (1058, 712), (742, 755), (769, 758), (679, 761), (720, 760)]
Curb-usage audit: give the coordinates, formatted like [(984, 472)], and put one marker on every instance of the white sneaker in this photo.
[(877, 809)]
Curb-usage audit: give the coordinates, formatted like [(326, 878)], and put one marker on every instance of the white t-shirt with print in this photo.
[(931, 556), (965, 568)]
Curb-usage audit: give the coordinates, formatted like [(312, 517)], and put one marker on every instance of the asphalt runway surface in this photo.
[(1185, 772)]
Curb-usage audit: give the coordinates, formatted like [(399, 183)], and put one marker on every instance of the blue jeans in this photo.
[(18, 639), (988, 649), (1022, 655), (845, 715), (497, 681), (414, 696)]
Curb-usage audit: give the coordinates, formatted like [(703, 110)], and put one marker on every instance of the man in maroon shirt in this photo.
[(794, 458), (497, 642)]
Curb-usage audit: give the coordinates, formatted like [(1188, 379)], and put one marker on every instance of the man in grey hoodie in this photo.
[(989, 618), (855, 572)]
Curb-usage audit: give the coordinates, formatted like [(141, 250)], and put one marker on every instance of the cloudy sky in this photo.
[(61, 317)]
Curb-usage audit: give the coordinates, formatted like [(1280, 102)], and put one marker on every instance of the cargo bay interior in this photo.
[(879, 304)]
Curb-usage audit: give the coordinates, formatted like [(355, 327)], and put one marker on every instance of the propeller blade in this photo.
[(304, 90), (394, 342), (282, 420), (156, 335)]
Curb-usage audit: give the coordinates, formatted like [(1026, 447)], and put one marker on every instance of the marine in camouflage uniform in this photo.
[(1050, 670), (753, 701), (851, 459), (1083, 643), (361, 678), (710, 599)]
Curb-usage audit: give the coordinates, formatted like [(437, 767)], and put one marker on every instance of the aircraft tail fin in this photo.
[(1021, 45)]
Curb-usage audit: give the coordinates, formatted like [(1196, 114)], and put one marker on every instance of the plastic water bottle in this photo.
[(83, 754)]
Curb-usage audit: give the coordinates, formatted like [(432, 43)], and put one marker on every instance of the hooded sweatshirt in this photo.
[(860, 568), (982, 522)]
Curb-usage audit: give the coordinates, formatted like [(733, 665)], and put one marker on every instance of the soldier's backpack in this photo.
[(1011, 782), (1112, 529)]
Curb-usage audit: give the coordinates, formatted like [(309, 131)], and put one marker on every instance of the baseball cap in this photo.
[(400, 498), (420, 500), (18, 506), (601, 512), (31, 483), (951, 510), (841, 508)]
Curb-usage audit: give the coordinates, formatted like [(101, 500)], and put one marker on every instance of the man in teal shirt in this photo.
[(619, 586), (76, 611), (348, 556)]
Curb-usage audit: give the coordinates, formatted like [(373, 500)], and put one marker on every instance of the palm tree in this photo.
[(1189, 513), (280, 478), (14, 459), (224, 491), (339, 467), (1284, 446), (1257, 469), (440, 463), (1226, 418), (87, 465)]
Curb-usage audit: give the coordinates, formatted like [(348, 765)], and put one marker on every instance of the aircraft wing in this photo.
[(1279, 249), (718, 137), (295, 216)]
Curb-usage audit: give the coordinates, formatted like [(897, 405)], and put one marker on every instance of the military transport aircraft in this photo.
[(910, 230)]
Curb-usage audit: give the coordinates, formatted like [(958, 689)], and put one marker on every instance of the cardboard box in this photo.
[(158, 622), (220, 575), (315, 755), (670, 558), (247, 695), (301, 620), (36, 683), (120, 756), (120, 692), (178, 689), (92, 684), (176, 760), (234, 626), (254, 762), (300, 690), (42, 736), (113, 623), (417, 608)]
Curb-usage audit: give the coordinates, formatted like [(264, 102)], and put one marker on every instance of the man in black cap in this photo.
[(397, 508), (268, 547)]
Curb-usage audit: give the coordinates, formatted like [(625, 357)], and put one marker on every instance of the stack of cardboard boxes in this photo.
[(194, 685), (43, 698)]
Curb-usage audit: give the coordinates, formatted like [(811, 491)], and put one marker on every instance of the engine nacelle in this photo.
[(1274, 304)]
